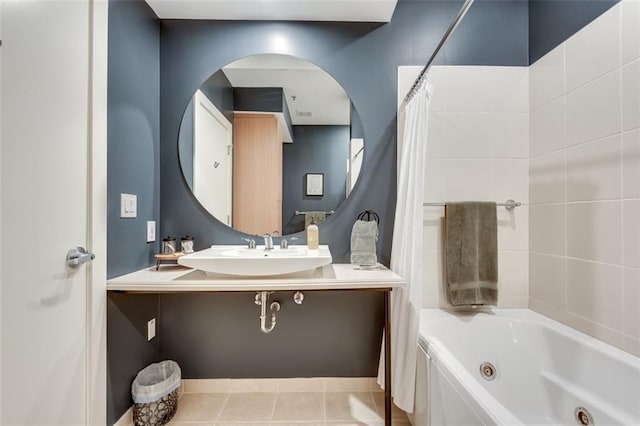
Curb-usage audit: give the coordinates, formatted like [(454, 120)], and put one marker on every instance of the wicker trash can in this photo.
[(155, 394)]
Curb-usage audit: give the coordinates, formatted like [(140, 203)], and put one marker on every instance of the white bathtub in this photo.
[(544, 371)]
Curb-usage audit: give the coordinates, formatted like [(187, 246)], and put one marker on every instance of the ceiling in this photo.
[(312, 95), (278, 10)]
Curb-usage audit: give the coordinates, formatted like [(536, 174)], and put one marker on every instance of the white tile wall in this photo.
[(631, 302), (631, 96), (631, 164), (593, 110), (486, 89), (548, 178), (513, 270), (548, 228), (548, 128), (630, 30), (594, 231), (631, 237), (594, 51), (595, 292), (594, 170), (468, 179), (548, 279), (508, 141), (547, 74), (478, 149), (468, 134), (513, 229), (584, 230)]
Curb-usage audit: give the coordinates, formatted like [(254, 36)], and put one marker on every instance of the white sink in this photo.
[(242, 261)]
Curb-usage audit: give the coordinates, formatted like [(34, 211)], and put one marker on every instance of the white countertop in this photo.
[(175, 278)]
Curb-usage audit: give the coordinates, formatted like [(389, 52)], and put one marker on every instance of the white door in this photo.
[(212, 158), (52, 186)]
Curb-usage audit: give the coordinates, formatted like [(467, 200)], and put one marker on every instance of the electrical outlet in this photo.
[(128, 205), (151, 329), (151, 231)]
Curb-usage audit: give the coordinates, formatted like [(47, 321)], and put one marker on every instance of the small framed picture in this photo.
[(315, 184)]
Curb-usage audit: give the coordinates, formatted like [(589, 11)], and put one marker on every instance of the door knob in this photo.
[(79, 255)]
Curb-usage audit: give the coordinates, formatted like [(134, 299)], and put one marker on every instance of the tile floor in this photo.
[(287, 402)]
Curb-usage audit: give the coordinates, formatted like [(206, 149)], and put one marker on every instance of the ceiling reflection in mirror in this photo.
[(270, 143)]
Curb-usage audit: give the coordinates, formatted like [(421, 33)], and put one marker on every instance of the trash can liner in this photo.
[(155, 381)]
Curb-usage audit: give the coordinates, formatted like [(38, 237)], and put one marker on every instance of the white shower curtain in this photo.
[(407, 252)]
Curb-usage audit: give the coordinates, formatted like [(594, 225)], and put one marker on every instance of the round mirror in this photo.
[(270, 143)]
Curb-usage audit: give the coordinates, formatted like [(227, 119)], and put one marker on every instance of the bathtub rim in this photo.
[(482, 403), (527, 315)]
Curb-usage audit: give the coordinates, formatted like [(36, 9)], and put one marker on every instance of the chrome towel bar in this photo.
[(328, 212), (509, 204)]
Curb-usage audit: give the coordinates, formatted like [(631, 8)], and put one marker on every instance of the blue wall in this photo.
[(133, 133), (128, 350), (551, 22), (315, 149)]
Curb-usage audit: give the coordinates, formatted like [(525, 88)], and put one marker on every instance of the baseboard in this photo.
[(126, 419)]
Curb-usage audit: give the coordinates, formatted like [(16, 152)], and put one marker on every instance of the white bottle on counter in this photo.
[(313, 236)]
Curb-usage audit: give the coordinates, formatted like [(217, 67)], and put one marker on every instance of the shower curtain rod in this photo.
[(463, 11)]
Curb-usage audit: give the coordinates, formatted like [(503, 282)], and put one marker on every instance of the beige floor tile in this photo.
[(243, 424), (358, 423), (283, 423), (396, 413), (199, 407), (352, 423), (299, 406), (248, 407), (191, 424), (350, 406)]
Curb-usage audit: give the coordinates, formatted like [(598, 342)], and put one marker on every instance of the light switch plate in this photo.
[(151, 231), (151, 329), (128, 206)]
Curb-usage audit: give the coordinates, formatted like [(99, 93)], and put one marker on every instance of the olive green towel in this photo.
[(471, 250), (314, 217)]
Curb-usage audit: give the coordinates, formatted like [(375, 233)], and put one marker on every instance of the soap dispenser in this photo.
[(313, 236)]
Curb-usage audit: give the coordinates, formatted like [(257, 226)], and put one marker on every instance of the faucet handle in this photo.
[(285, 244), (251, 242)]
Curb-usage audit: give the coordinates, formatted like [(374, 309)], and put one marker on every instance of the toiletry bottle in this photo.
[(313, 236)]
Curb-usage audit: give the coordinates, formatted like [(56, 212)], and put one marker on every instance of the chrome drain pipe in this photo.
[(262, 299)]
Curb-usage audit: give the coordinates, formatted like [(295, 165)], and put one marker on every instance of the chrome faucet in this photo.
[(251, 243), (284, 244), (268, 240)]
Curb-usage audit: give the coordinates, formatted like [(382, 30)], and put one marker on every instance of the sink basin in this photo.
[(242, 261)]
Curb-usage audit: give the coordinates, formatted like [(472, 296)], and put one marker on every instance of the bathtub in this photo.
[(543, 372)]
